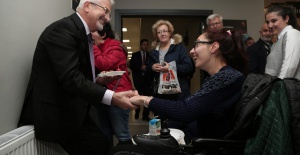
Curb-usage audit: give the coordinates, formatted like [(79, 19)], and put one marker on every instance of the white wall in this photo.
[(22, 21), (250, 10)]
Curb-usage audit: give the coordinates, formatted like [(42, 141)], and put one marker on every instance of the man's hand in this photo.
[(106, 79), (140, 100), (121, 99), (137, 100)]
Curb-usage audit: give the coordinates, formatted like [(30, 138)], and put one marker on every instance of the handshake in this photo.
[(129, 99), (126, 99)]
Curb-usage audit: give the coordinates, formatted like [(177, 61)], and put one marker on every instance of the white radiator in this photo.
[(22, 141)]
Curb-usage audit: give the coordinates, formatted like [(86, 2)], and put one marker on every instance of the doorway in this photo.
[(188, 23)]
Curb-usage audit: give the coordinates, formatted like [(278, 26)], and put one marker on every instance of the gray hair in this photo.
[(213, 16), (81, 3)]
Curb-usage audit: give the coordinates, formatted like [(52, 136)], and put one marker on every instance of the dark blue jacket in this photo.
[(184, 65)]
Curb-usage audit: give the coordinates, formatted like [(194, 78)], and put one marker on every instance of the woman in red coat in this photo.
[(110, 55)]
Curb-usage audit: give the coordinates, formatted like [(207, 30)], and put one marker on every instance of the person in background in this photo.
[(110, 56), (259, 51), (141, 84), (61, 92), (167, 47), (221, 54), (248, 42), (214, 22), (283, 60)]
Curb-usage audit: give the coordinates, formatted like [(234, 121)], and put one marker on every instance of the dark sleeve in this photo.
[(253, 59), (211, 98), (134, 65), (67, 52), (149, 62), (185, 65)]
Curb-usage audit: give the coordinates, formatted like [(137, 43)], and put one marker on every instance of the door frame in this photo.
[(119, 13)]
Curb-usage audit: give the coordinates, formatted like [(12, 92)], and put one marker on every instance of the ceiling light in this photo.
[(124, 29), (130, 52), (129, 48), (126, 41)]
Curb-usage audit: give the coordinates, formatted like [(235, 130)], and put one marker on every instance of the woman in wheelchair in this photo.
[(221, 54)]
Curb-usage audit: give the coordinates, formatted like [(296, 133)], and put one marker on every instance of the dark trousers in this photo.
[(90, 141)]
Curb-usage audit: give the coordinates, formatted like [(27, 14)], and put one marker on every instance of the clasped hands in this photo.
[(129, 99), (126, 99), (158, 67)]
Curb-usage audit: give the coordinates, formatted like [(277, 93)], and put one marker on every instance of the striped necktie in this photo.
[(267, 47)]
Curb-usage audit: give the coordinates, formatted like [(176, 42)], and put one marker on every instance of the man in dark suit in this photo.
[(61, 93), (137, 66), (259, 51)]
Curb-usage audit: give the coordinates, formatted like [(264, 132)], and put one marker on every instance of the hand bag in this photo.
[(168, 81)]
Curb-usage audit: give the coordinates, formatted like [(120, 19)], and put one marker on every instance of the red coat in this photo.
[(110, 56)]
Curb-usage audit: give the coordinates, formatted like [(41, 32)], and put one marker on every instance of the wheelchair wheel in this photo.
[(129, 149)]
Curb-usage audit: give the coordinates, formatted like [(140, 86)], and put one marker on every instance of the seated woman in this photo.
[(221, 54)]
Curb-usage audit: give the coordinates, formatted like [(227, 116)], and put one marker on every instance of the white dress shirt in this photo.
[(108, 93)]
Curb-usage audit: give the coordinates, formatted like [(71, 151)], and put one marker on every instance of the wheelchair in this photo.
[(255, 91), (165, 144)]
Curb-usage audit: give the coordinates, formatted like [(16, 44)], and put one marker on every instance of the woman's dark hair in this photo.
[(231, 46), (108, 31), (284, 11)]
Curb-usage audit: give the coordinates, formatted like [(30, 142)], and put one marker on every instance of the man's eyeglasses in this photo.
[(202, 42), (214, 24), (107, 12)]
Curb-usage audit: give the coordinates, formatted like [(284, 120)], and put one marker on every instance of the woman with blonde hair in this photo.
[(167, 48)]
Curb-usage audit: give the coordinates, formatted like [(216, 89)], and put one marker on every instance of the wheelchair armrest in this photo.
[(217, 143)]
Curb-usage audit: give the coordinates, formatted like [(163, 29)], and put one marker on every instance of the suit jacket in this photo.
[(257, 57), (138, 75), (61, 88)]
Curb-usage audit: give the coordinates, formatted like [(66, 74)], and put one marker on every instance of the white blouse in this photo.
[(284, 58)]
